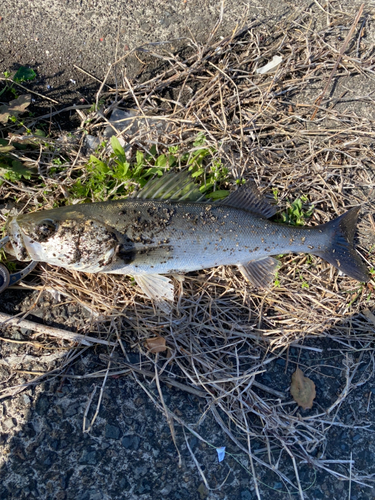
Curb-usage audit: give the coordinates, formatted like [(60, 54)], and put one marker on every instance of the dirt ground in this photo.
[(57, 38), (129, 452)]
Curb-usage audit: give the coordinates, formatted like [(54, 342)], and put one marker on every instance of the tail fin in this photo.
[(341, 253)]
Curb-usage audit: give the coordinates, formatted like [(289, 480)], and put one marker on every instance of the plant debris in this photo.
[(156, 344), (302, 389), (14, 108)]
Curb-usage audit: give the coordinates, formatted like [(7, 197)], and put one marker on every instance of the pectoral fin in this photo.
[(158, 288), (260, 272)]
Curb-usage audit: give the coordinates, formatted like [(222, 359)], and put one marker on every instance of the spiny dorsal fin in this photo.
[(249, 198), (172, 187)]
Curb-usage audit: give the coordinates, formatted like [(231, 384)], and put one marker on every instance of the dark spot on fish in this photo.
[(24, 253), (44, 230), (151, 211)]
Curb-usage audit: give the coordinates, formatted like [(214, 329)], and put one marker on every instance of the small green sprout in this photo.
[(240, 182), (295, 213), (95, 107), (277, 280), (304, 283)]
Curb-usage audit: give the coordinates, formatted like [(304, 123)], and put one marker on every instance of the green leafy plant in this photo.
[(277, 280), (296, 214), (210, 177), (57, 161), (117, 177), (304, 283), (24, 74), (11, 169)]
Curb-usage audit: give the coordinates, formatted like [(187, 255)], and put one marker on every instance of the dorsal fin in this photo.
[(247, 197), (172, 187)]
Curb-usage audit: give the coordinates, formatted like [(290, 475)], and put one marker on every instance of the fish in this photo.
[(169, 228)]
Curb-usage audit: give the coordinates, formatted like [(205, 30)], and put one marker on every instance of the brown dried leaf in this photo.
[(156, 344), (6, 149), (14, 108), (302, 389)]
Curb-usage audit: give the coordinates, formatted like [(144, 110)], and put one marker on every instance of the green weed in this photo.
[(295, 214), (11, 169), (277, 280), (118, 177), (23, 74), (218, 173), (95, 107)]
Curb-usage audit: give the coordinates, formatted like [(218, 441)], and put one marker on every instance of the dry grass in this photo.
[(282, 131)]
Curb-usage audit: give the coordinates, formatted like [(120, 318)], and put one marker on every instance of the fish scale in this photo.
[(167, 229), (199, 236)]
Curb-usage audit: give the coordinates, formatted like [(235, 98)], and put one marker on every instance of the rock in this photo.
[(112, 432), (9, 423), (203, 491), (131, 442), (92, 142), (88, 457), (26, 399), (42, 405)]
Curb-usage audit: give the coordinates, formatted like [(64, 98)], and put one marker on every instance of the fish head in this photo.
[(68, 240)]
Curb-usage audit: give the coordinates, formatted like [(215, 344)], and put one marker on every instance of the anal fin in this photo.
[(158, 288), (260, 272)]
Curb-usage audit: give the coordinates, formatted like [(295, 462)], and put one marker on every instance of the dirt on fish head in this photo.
[(80, 244)]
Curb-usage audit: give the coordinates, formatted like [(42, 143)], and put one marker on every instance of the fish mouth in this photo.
[(17, 246)]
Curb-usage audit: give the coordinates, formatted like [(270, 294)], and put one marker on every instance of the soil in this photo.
[(129, 453)]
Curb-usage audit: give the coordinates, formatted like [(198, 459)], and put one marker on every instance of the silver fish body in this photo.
[(146, 236), (152, 237)]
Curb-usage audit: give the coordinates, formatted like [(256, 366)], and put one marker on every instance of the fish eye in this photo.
[(45, 229)]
